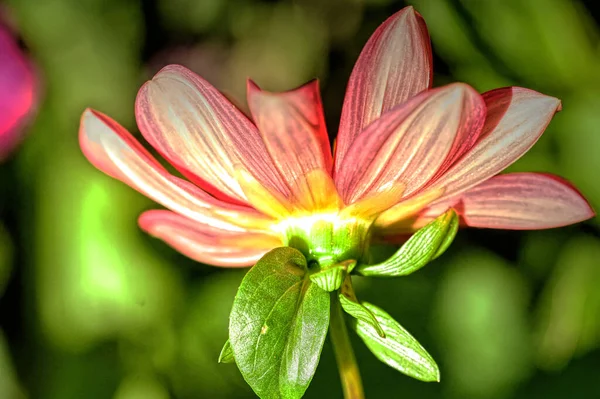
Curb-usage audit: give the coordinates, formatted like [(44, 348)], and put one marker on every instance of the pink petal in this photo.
[(202, 134), (400, 217), (394, 65), (110, 148), (523, 201), (408, 145), (207, 244), (293, 129), (17, 92), (516, 201), (516, 118)]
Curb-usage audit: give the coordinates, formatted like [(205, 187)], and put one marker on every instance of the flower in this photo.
[(17, 93), (405, 153)]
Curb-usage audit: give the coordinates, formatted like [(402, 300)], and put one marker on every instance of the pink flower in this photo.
[(405, 153), (17, 93)]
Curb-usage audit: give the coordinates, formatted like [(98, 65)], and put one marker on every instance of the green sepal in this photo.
[(278, 325), (331, 278), (354, 308), (421, 248), (398, 349), (451, 231), (226, 355)]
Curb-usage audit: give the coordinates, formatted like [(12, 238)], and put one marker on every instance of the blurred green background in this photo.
[(93, 308)]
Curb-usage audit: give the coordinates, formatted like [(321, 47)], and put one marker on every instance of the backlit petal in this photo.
[(516, 118), (515, 201), (408, 208), (267, 202), (316, 191), (410, 143), (394, 65), (205, 243), (17, 92), (293, 129), (370, 207), (202, 134), (523, 201), (110, 148)]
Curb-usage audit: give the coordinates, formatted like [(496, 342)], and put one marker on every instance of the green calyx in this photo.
[(331, 244), (328, 239), (332, 277)]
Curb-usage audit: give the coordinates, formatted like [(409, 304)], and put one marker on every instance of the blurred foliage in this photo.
[(96, 309), (491, 329), (568, 322)]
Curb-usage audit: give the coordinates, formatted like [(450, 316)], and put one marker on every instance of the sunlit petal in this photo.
[(410, 143), (269, 203), (516, 118), (395, 64), (205, 243), (315, 192), (523, 201), (113, 150), (515, 201), (406, 209), (370, 207), (202, 134), (292, 126)]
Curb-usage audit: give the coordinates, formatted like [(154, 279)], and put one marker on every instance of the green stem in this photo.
[(344, 355)]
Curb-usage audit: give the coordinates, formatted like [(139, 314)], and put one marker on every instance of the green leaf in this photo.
[(305, 342), (398, 349), (226, 355), (421, 248), (354, 308), (278, 325)]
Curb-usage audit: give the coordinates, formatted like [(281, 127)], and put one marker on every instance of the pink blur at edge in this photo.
[(17, 92)]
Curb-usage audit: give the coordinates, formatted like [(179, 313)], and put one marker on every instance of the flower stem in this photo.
[(344, 355)]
